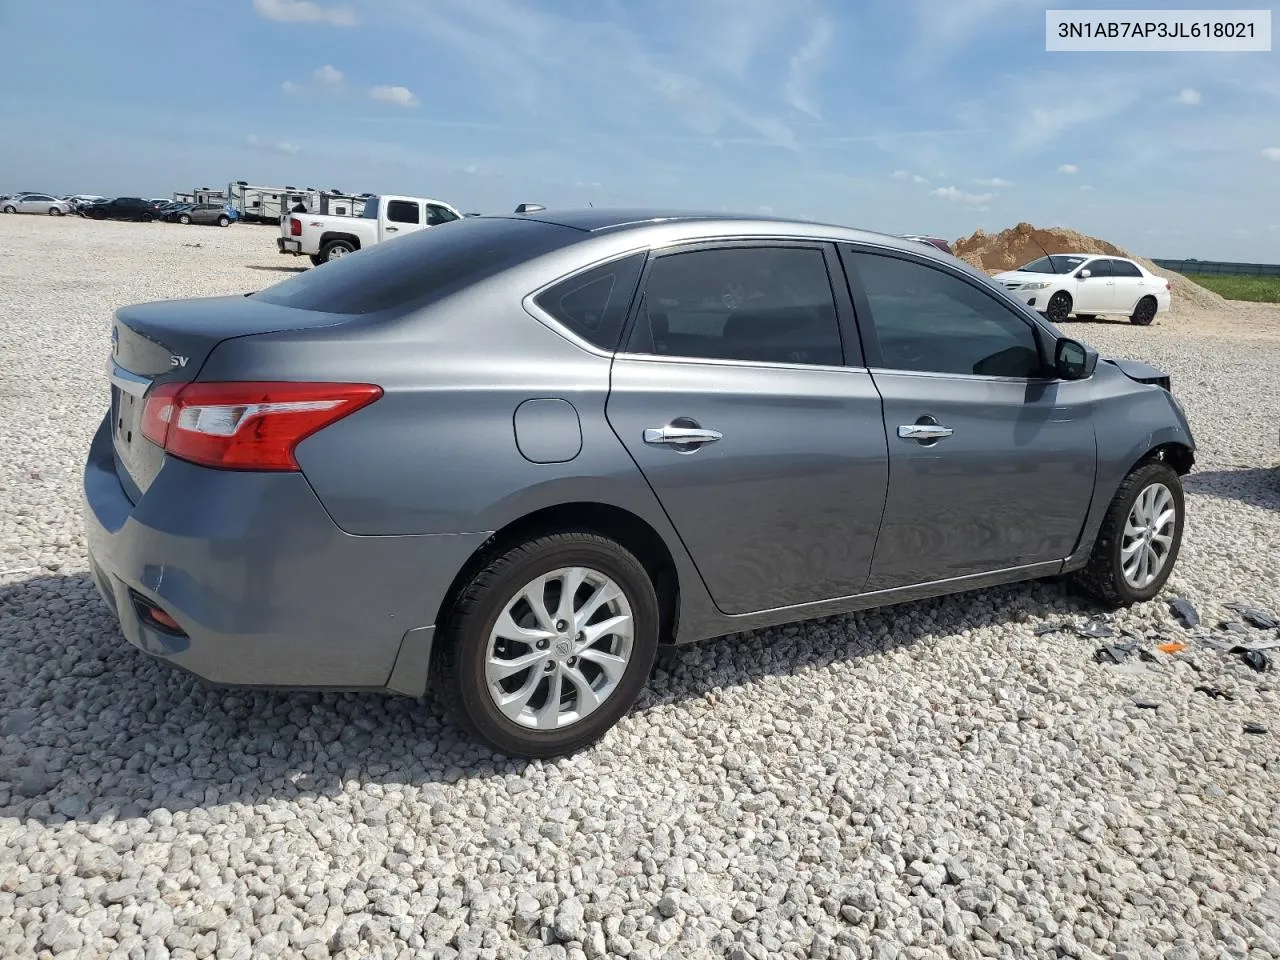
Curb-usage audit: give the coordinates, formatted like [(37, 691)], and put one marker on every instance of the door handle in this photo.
[(681, 435), (924, 431), (393, 229)]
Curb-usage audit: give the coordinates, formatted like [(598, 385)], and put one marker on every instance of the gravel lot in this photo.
[(928, 780)]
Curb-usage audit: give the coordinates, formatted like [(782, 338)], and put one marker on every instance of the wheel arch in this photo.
[(617, 523), (331, 235)]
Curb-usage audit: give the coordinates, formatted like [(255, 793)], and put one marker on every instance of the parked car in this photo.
[(37, 203), (122, 208), (206, 213), (325, 238), (512, 457), (1064, 284)]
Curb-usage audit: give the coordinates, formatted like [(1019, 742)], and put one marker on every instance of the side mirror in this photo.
[(1072, 360), (1086, 272)]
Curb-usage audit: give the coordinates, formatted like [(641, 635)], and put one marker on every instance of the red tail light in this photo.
[(246, 425), (295, 227)]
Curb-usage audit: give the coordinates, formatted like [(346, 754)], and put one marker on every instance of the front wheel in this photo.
[(550, 644), (1140, 537), (1144, 312), (184, 219), (1059, 307), (224, 221), (55, 211)]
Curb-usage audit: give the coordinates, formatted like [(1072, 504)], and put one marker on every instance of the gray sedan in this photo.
[(37, 203), (510, 457)]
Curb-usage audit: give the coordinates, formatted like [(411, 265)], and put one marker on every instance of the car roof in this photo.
[(678, 224)]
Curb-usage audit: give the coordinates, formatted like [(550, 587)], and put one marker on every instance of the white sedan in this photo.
[(36, 203), (1086, 286)]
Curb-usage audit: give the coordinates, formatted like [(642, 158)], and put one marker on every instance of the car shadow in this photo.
[(93, 730), (1256, 486), (258, 266)]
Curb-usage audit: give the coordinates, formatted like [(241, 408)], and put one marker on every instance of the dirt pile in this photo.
[(1024, 243)]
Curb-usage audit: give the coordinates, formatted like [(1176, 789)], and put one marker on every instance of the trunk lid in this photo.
[(169, 341)]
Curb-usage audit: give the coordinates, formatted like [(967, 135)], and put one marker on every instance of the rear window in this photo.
[(413, 270)]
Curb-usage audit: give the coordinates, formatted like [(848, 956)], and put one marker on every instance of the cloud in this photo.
[(328, 75), (960, 196), (1087, 188), (992, 182), (908, 175), (303, 11), (1189, 96), (805, 62), (279, 146), (1069, 168), (1272, 153), (400, 96)]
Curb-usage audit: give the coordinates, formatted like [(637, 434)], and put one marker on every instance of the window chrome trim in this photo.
[(755, 364), (939, 374)]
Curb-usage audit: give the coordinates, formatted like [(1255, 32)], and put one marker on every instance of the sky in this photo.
[(930, 116)]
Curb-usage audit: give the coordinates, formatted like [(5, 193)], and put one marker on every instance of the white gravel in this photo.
[(929, 780)]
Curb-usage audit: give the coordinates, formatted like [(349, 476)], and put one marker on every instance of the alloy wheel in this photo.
[(560, 648), (1148, 536)]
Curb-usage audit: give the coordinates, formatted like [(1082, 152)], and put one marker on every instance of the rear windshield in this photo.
[(419, 267)]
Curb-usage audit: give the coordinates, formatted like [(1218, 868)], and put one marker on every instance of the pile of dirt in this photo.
[(1021, 244)]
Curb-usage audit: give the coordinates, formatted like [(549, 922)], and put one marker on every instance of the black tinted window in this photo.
[(763, 304), (930, 321), (420, 267), (594, 304), (404, 211), (437, 214), (1098, 268), (1123, 268)]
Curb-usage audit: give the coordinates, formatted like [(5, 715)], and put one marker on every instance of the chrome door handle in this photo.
[(393, 229), (924, 431), (681, 435)]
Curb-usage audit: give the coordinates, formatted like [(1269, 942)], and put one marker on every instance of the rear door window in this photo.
[(1123, 268)]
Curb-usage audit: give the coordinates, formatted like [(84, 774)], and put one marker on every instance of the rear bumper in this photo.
[(287, 245), (267, 590)]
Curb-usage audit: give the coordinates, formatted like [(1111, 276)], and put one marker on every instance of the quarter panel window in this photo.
[(763, 304), (404, 211), (927, 320), (594, 304)]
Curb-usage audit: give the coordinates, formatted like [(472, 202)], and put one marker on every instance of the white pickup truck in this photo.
[(325, 238)]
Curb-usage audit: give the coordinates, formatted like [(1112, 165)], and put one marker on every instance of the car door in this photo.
[(402, 216), (741, 396), (1130, 285), (36, 203), (1096, 292), (205, 213), (991, 458)]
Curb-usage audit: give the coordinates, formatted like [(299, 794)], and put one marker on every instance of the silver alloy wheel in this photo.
[(1148, 536), (337, 252), (560, 648)]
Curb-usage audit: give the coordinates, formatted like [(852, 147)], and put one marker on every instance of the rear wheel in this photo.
[(335, 249), (1144, 312), (10, 208), (550, 644), (147, 218), (1140, 537), (98, 215), (1059, 306)]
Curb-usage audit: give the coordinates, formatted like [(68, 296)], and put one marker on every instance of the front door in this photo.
[(1095, 293), (991, 458), (766, 451), (402, 216)]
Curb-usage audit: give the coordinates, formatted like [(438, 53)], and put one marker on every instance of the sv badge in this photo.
[(176, 361)]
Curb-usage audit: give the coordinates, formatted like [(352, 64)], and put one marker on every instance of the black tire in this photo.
[(335, 249), (184, 219), (224, 221), (1059, 306), (10, 209), (55, 211), (147, 218), (1144, 312), (1103, 577), (98, 215), (315, 259), (462, 648)]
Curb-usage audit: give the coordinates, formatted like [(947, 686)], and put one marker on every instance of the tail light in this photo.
[(246, 425), (295, 227)]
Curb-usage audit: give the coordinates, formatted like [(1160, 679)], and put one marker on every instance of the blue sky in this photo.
[(901, 115)]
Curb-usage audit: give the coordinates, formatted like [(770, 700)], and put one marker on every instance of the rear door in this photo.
[(991, 458), (1096, 292), (1130, 285), (401, 216), (766, 449)]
